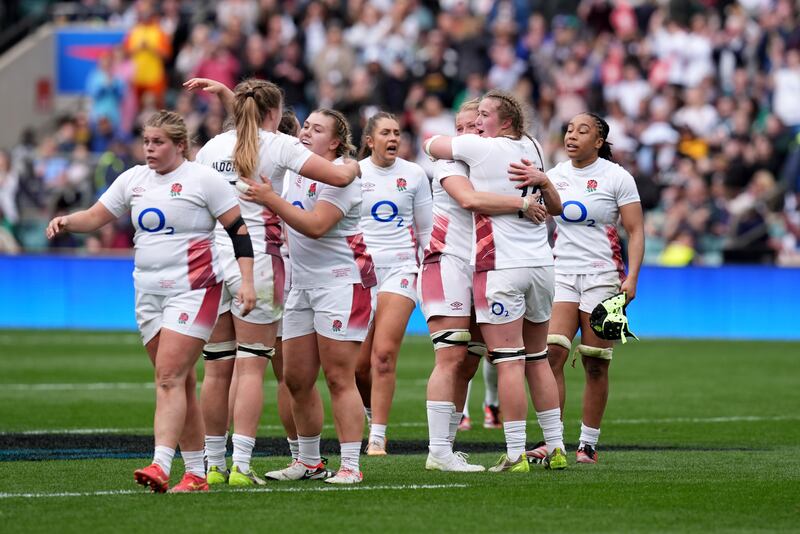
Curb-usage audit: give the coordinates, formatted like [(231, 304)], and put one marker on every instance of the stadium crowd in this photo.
[(700, 97)]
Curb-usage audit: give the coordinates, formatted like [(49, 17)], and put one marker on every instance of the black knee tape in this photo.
[(506, 355)]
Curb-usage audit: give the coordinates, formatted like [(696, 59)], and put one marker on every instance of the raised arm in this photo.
[(439, 147), (320, 169), (81, 221), (633, 222), (215, 88), (311, 223)]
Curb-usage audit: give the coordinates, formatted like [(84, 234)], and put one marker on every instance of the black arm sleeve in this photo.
[(242, 246)]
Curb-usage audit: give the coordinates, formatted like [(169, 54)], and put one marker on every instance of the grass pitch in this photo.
[(698, 436)]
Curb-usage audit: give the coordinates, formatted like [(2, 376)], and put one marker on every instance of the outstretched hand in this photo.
[(527, 174), (57, 226), (205, 84), (254, 191)]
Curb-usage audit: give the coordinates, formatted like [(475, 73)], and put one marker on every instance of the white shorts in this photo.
[(343, 313), (268, 279), (397, 280), (445, 287), (193, 313), (587, 289), (505, 295), (287, 285)]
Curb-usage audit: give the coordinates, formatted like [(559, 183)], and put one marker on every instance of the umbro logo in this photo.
[(138, 190), (562, 185), (456, 305)]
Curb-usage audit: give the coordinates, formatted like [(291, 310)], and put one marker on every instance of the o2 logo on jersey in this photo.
[(569, 215), (298, 204), (499, 310), (386, 211), (152, 220)]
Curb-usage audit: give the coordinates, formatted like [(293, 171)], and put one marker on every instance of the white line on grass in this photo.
[(420, 424), (311, 489), (44, 337), (89, 386)]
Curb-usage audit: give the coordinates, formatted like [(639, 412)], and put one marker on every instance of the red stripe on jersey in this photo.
[(278, 280), (484, 241), (479, 290), (360, 308), (438, 238), (363, 260), (201, 271), (432, 286), (273, 233), (209, 309), (616, 250)]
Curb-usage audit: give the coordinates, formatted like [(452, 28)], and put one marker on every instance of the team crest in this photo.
[(404, 283), (183, 317), (312, 190), (337, 325), (176, 190), (591, 186), (402, 185)]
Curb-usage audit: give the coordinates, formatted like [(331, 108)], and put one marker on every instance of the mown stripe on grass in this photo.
[(310, 489)]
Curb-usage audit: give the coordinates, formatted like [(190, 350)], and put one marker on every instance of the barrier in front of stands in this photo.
[(732, 302)]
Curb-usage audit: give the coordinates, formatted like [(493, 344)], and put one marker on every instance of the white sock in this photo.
[(242, 452), (439, 416), (490, 383), (163, 458), (552, 428), (589, 436), (350, 455), (309, 450), (466, 403), (377, 432), (215, 451), (193, 463), (368, 412), (455, 419), (294, 448), (515, 439)]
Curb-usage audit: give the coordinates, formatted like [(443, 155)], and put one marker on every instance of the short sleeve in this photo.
[(627, 193), (290, 153), (344, 198), (470, 148), (444, 168), (116, 198), (202, 155), (219, 195)]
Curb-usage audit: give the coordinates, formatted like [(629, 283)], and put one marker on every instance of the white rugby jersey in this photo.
[(277, 153), (452, 224), (502, 241), (586, 239), (174, 216), (340, 257), (396, 213)]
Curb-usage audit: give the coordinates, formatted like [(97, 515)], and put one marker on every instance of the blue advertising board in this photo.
[(732, 302), (77, 52)]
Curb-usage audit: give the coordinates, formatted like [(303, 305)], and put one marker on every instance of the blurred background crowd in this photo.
[(703, 98)]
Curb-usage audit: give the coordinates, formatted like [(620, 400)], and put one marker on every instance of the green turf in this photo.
[(732, 407)]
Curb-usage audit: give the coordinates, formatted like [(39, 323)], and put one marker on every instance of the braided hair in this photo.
[(508, 107), (342, 132), (602, 131)]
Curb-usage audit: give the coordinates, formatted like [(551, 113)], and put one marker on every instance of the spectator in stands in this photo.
[(149, 47)]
